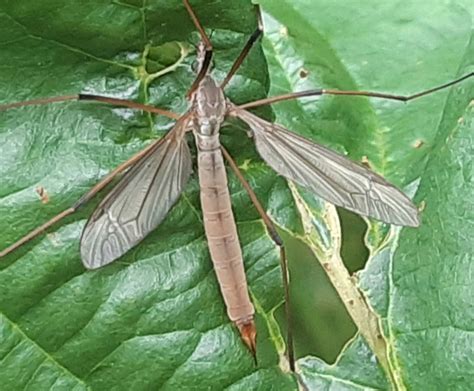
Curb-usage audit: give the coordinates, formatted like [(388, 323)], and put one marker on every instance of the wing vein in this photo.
[(139, 201), (328, 174)]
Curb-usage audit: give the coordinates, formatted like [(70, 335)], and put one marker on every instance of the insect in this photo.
[(155, 177)]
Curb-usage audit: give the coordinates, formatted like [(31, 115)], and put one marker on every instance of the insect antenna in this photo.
[(208, 49)]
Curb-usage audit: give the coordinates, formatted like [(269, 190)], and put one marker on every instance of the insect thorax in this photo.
[(209, 107)]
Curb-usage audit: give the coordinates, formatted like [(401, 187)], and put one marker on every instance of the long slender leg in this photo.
[(84, 199), (279, 242), (402, 98), (245, 51), (104, 99), (207, 48)]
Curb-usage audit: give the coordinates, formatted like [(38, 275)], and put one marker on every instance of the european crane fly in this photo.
[(154, 178)]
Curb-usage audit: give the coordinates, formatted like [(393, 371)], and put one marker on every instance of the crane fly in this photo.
[(154, 178)]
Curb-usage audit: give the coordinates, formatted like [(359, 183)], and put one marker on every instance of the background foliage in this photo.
[(155, 318)]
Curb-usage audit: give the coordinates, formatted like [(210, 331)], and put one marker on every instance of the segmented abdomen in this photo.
[(221, 230)]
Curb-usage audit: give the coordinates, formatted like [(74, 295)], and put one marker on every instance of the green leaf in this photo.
[(354, 370), (427, 311), (412, 282), (155, 318)]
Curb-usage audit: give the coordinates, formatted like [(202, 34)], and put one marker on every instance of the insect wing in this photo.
[(328, 174), (139, 202)]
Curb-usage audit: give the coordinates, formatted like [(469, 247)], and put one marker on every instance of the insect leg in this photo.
[(278, 241), (104, 99), (372, 94), (245, 51), (84, 199), (207, 47)]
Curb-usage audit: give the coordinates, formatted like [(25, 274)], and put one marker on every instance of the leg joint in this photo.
[(276, 237)]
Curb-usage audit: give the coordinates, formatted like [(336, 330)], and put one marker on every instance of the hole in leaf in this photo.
[(321, 324)]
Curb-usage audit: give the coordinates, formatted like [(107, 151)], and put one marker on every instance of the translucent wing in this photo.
[(139, 202), (328, 174)]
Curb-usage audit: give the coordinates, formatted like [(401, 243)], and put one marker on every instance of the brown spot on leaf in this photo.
[(43, 194), (418, 144), (304, 73)]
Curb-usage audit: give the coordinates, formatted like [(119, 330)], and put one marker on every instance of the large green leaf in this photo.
[(412, 282), (155, 319)]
